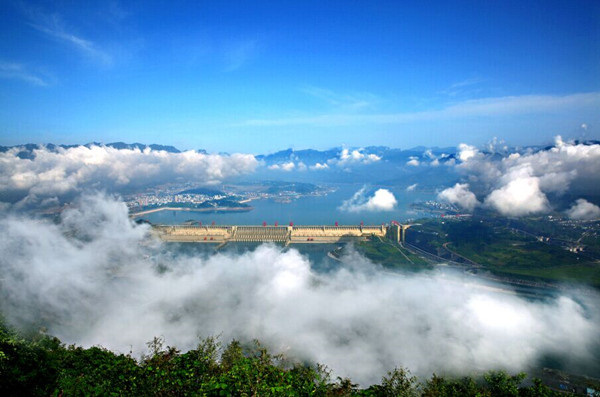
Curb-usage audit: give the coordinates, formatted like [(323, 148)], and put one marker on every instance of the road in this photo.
[(469, 261)]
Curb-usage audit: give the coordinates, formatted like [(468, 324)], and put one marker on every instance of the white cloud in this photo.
[(381, 200), (484, 107), (461, 196), (428, 154), (319, 166), (434, 160), (13, 70), (556, 167), (69, 171), (289, 166), (53, 25), (356, 156), (462, 87), (466, 152), (413, 161), (111, 285), (519, 183), (347, 158), (411, 187), (497, 146), (584, 210), (519, 197)]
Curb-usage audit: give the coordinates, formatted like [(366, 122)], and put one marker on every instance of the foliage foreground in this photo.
[(43, 366)]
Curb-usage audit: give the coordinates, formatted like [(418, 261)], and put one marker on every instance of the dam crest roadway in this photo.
[(278, 234)]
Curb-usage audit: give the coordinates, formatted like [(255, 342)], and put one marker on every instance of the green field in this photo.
[(532, 259), (391, 255), (502, 250)]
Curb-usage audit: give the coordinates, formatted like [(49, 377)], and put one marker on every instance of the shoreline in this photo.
[(215, 209)]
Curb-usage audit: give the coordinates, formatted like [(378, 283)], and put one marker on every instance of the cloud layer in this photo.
[(60, 172), (345, 159), (584, 210), (524, 183), (356, 156), (461, 196), (111, 285), (381, 200), (519, 197)]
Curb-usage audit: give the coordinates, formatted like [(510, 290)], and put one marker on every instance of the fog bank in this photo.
[(97, 279), (49, 175)]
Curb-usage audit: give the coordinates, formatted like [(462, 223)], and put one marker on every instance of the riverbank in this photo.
[(189, 209)]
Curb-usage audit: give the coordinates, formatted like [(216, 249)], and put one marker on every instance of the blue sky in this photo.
[(259, 76)]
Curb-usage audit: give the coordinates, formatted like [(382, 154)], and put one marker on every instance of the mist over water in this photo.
[(95, 278)]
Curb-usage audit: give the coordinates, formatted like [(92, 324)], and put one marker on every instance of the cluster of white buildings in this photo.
[(151, 199)]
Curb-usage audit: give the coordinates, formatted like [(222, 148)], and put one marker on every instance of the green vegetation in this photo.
[(391, 255), (507, 249), (42, 366), (278, 187)]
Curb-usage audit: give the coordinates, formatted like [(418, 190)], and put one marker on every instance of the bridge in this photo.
[(278, 234)]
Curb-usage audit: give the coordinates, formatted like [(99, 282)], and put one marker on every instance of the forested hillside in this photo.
[(42, 366)]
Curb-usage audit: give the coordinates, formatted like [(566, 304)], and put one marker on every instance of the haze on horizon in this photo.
[(256, 78)]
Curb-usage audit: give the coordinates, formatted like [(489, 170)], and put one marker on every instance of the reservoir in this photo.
[(307, 210)]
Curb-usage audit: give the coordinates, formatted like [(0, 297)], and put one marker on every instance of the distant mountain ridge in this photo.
[(26, 150), (306, 156), (141, 146)]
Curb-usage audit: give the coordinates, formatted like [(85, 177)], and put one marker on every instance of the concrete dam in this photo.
[(278, 234)]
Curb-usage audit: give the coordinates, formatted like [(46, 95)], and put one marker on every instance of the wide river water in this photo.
[(310, 210)]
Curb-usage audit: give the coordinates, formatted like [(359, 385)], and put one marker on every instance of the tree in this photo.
[(501, 384), (438, 386)]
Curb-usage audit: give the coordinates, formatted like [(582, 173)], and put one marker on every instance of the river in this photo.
[(309, 210)]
